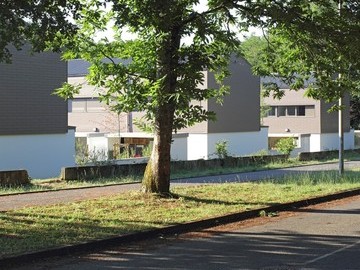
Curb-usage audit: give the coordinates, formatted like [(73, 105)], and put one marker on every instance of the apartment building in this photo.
[(34, 133), (307, 120), (238, 119)]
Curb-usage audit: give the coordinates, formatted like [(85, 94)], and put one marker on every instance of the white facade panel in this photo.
[(197, 146), (239, 143), (330, 141), (203, 146), (41, 155), (98, 145), (179, 148), (315, 142)]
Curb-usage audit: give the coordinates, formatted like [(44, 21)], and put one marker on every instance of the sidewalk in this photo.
[(12, 202)]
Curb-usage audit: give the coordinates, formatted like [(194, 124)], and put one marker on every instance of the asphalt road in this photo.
[(317, 237), (12, 202)]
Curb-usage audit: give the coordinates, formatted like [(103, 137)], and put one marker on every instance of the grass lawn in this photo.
[(36, 228), (54, 184)]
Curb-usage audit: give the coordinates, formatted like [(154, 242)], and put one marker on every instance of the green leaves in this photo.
[(310, 40), (159, 67), (37, 22), (67, 91)]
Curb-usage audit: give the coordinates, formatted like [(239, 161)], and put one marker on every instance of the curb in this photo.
[(170, 230)]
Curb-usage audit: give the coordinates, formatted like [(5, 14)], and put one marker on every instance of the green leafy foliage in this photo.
[(157, 68), (320, 53), (37, 22), (160, 71), (285, 145), (221, 149), (355, 112)]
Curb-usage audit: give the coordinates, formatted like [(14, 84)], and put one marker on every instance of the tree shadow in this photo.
[(235, 250)]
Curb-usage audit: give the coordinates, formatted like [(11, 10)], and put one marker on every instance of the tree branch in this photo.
[(126, 72)]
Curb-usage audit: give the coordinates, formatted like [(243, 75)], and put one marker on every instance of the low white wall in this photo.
[(203, 146), (330, 141), (197, 146), (41, 155), (179, 147), (240, 143), (98, 144)]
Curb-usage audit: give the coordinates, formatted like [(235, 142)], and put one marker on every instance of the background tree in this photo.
[(323, 46), (322, 50), (355, 112), (37, 22), (253, 48)]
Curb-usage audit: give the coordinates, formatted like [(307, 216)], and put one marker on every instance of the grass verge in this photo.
[(37, 228), (56, 184)]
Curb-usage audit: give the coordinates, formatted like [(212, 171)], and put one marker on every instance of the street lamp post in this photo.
[(341, 122)]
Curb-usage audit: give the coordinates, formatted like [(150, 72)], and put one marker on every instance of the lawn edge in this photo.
[(173, 179), (95, 245)]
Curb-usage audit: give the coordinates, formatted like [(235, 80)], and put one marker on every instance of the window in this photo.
[(301, 111), (78, 105), (85, 105), (272, 111), (292, 111), (281, 111)]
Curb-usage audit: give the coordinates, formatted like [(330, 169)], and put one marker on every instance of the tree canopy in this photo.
[(37, 22), (178, 39), (160, 72), (322, 52), (161, 69)]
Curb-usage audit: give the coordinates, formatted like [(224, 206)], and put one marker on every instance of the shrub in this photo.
[(221, 149), (285, 145)]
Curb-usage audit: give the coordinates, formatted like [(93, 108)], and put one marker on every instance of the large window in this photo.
[(85, 105), (281, 111)]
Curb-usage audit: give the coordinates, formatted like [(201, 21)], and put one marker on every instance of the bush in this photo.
[(285, 145), (221, 149)]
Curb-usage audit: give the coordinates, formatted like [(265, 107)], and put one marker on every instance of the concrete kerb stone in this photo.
[(93, 246), (14, 178)]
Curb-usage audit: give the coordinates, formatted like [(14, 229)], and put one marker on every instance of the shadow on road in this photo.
[(236, 250)]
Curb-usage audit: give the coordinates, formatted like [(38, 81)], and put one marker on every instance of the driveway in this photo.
[(319, 237)]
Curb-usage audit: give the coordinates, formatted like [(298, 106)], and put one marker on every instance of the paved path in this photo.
[(326, 237), (12, 202)]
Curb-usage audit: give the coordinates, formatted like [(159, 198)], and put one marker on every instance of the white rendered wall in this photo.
[(197, 146), (239, 143), (315, 142), (179, 148), (98, 144), (330, 141), (202, 146), (41, 155)]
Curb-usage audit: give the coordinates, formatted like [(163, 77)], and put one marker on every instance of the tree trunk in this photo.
[(157, 174)]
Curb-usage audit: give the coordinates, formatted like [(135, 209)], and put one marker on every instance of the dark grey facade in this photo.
[(240, 110), (27, 103)]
